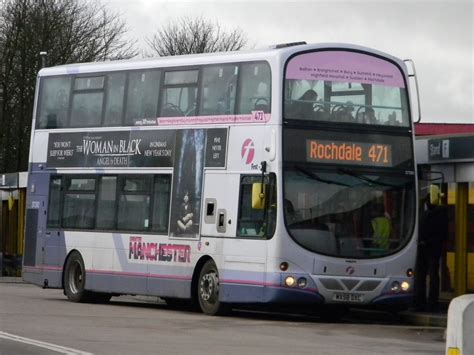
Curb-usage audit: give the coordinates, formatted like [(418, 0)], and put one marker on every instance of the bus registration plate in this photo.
[(347, 297)]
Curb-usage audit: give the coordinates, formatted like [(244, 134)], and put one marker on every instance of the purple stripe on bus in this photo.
[(266, 284), (248, 282)]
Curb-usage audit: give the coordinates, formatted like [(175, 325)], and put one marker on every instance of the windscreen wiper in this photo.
[(364, 178), (316, 177)]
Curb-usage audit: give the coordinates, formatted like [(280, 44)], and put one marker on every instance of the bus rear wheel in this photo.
[(208, 290), (75, 280)]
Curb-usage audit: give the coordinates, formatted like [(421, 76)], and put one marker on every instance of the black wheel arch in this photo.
[(68, 256), (197, 270)]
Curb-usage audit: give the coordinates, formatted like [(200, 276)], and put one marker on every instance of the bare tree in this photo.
[(195, 35), (70, 32)]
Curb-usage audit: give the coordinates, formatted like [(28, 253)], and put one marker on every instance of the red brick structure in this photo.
[(433, 129)]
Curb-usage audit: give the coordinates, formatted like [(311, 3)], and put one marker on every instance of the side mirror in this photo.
[(435, 195), (258, 196)]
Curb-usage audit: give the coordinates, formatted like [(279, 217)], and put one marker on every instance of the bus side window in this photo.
[(134, 203), (255, 88), (54, 205), (218, 92), (87, 101), (114, 99), (254, 222), (179, 94), (54, 102), (79, 203), (105, 218), (142, 95)]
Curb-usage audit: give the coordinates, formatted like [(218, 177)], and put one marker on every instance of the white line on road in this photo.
[(42, 344)]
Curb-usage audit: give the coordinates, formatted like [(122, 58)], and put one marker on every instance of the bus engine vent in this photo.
[(369, 285), (350, 283), (331, 284)]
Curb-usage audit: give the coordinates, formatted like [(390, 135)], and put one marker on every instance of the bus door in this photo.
[(219, 215), (228, 214)]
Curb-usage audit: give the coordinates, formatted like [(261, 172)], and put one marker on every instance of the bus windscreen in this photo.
[(346, 87)]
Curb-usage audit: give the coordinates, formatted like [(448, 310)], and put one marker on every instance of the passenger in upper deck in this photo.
[(392, 119), (369, 116), (309, 95), (303, 108), (343, 113)]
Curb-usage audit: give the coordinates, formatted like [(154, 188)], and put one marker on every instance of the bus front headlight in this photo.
[(290, 281), (405, 286)]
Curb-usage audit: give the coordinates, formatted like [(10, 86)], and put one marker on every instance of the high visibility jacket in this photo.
[(382, 229)]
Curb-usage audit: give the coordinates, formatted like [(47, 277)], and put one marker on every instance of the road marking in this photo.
[(42, 344)]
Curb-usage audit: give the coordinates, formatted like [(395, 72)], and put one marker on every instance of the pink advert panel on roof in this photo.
[(344, 66)]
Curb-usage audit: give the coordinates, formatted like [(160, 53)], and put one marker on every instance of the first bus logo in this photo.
[(248, 151)]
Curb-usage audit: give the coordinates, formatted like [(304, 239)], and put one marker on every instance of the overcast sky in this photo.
[(437, 35)]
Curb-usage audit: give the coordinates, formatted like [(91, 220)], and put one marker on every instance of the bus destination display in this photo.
[(346, 152)]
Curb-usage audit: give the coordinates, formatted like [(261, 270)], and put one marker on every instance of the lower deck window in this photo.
[(79, 203), (78, 211), (129, 203)]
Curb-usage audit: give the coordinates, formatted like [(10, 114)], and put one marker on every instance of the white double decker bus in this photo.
[(278, 176)]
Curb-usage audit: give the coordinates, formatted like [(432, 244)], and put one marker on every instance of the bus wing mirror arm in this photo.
[(264, 170), (416, 86), (258, 189)]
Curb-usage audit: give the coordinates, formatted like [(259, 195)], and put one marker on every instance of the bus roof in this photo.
[(200, 59)]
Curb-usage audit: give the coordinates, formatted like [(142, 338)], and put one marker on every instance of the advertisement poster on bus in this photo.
[(187, 183), (111, 149)]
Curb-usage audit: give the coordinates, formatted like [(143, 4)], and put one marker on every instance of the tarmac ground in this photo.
[(410, 317)]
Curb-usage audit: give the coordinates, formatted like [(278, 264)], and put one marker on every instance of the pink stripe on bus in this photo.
[(143, 274), (254, 117), (44, 267)]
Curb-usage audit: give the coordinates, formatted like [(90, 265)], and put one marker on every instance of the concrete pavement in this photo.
[(425, 319)]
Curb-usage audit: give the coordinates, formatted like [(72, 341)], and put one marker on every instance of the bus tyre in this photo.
[(208, 290), (75, 279)]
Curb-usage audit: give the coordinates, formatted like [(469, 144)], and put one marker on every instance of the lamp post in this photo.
[(44, 57)]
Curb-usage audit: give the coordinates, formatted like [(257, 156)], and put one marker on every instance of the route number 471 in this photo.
[(378, 153), (258, 116)]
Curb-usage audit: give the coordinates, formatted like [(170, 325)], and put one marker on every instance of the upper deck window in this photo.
[(114, 99), (345, 87), (54, 102), (142, 96), (139, 97), (255, 88), (87, 99), (89, 83), (179, 94), (219, 88), (181, 77)]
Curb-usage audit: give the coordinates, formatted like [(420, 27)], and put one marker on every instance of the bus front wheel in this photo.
[(208, 290)]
